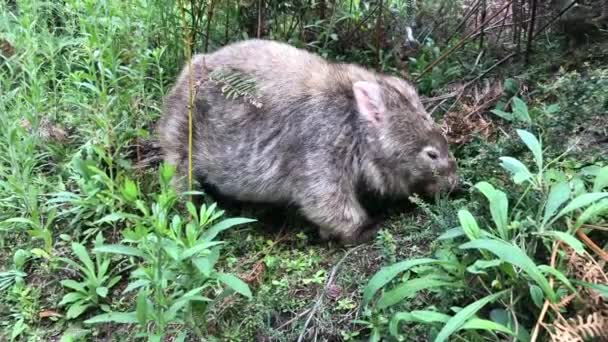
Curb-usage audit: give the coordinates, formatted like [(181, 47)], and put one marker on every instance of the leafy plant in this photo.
[(96, 280), (507, 247), (175, 261)]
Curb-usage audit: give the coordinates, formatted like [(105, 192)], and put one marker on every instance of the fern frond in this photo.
[(235, 84), (594, 326)]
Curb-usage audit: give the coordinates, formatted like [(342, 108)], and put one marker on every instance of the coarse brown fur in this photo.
[(309, 143)]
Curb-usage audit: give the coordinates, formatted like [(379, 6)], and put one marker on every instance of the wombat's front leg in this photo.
[(338, 215)]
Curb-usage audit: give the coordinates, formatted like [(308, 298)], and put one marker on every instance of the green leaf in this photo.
[(451, 234), (74, 285), (518, 170), (388, 273), (601, 180), (511, 86), (198, 248), (537, 295), (600, 288), (81, 252), (410, 288), (513, 255), (533, 145), (77, 309), (171, 248), (558, 195), (141, 308), (468, 224), (520, 110), (480, 265), (113, 317), (102, 291), (579, 202), (119, 249), (205, 264), (114, 217), (71, 298), (592, 212), (484, 324), (568, 239), (501, 113), (499, 207), (457, 321), (129, 190), (558, 275), (223, 225), (234, 283), (136, 284)]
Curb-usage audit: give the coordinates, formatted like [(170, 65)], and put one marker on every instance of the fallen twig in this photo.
[(597, 249), (321, 294)]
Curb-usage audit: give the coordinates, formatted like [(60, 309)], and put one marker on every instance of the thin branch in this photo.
[(321, 294), (462, 42)]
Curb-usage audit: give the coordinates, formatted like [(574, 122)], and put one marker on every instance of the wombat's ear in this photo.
[(369, 101)]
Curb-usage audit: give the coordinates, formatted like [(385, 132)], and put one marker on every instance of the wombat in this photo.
[(306, 132)]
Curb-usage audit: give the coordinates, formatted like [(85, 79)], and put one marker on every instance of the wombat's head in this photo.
[(409, 151)]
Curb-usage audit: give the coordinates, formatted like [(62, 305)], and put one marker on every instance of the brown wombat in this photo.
[(306, 132)]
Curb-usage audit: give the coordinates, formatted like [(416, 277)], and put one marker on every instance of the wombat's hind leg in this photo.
[(338, 216)]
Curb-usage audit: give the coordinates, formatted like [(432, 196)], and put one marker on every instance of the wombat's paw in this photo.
[(362, 235)]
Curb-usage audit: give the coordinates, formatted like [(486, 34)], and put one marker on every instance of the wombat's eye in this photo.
[(432, 154)]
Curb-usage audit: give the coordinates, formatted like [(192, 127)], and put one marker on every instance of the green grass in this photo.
[(78, 100)]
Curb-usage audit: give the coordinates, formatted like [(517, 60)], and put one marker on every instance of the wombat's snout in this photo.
[(451, 181)]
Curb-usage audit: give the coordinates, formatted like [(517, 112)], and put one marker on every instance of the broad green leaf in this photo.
[(519, 171), (592, 212), (513, 255), (520, 110), (81, 252), (600, 288), (76, 309), (601, 180), (451, 234), (119, 249), (234, 283), (129, 190), (511, 86), (568, 239), (114, 217), (136, 284), (102, 291), (480, 265), (537, 295), (74, 285), (141, 308), (21, 220), (223, 225), (410, 288), (484, 324), (171, 248), (468, 224), (198, 248), (558, 195), (558, 275), (579, 202), (388, 273), (71, 298), (501, 113), (533, 145), (205, 264), (499, 207), (459, 319), (113, 317)]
